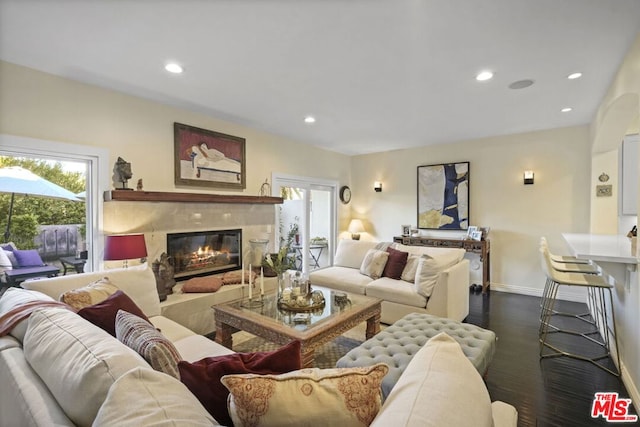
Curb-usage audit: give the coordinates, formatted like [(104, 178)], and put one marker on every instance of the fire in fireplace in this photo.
[(200, 253)]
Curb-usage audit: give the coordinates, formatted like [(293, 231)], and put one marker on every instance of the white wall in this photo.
[(518, 214), (43, 106), (618, 115)]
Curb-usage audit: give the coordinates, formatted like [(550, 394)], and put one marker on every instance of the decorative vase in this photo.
[(258, 251)]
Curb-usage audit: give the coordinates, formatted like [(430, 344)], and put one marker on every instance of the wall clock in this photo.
[(345, 194)]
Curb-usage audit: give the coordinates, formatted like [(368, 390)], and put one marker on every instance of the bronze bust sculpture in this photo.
[(163, 270), (122, 173)]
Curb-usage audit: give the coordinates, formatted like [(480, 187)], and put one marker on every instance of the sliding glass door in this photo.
[(307, 219)]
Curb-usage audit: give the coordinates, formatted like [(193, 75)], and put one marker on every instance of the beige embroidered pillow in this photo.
[(373, 263), (91, 294), (144, 338), (319, 397)]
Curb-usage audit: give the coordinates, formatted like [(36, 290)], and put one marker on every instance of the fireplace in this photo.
[(200, 253)]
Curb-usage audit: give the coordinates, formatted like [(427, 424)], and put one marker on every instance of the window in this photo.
[(97, 175)]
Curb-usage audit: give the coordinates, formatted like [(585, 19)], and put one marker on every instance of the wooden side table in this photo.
[(482, 247), (69, 262)]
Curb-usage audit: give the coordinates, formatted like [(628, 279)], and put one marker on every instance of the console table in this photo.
[(481, 247)]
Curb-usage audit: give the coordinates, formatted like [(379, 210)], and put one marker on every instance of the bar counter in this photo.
[(602, 247), (613, 254)]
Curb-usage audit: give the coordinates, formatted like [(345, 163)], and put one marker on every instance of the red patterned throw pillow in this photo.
[(103, 314), (202, 378)]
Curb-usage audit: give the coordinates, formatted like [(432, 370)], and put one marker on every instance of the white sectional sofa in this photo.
[(437, 282), (69, 383), (58, 369)]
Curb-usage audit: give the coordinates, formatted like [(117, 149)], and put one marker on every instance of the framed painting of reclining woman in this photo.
[(208, 159)]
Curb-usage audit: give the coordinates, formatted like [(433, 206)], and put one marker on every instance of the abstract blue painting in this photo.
[(443, 196)]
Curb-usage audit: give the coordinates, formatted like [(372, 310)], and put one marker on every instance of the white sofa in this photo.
[(445, 275), (58, 369)]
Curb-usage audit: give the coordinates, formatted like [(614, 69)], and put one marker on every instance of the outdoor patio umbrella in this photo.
[(16, 180)]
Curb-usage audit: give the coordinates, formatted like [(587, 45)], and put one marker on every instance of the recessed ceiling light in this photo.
[(566, 109), (573, 76), (484, 75), (309, 119), (174, 68)]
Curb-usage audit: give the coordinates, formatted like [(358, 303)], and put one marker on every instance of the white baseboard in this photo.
[(631, 386), (537, 292)]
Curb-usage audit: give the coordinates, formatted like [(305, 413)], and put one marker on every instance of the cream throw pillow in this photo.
[(373, 263), (410, 268), (91, 294), (144, 397), (314, 397), (144, 338), (76, 360), (5, 262), (439, 387), (350, 253), (430, 267)]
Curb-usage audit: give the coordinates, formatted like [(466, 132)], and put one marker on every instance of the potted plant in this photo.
[(276, 264)]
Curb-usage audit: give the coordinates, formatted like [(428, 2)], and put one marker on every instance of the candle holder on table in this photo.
[(252, 302)]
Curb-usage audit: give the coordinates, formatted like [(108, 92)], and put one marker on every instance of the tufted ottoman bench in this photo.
[(397, 344)]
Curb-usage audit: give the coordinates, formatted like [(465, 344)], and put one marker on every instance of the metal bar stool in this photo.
[(563, 258), (598, 285), (567, 264), (582, 268)]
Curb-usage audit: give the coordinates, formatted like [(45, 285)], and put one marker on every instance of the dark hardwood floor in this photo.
[(551, 392)]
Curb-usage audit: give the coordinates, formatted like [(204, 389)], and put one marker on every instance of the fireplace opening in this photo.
[(200, 253)]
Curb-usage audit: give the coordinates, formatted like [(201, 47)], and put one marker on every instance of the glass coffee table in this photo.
[(312, 329)]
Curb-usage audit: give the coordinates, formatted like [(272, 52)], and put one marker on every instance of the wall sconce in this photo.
[(123, 247), (377, 186), (355, 228), (528, 177)]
